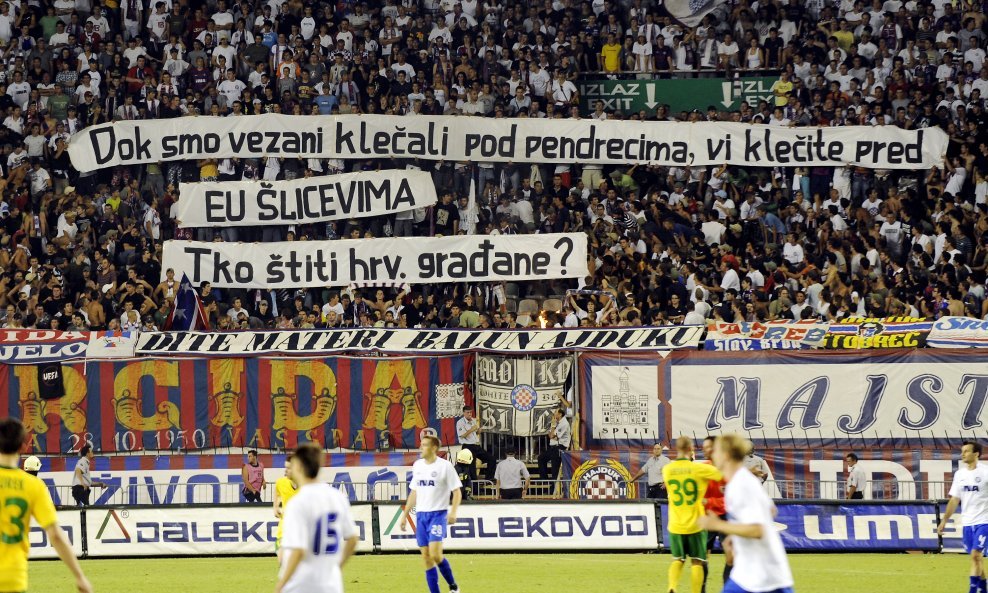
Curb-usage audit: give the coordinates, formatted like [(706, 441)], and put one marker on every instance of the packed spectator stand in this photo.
[(668, 245)]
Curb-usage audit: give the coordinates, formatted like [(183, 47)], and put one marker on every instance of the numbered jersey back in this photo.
[(23, 498), (318, 522)]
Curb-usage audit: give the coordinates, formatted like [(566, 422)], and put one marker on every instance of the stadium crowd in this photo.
[(668, 245)]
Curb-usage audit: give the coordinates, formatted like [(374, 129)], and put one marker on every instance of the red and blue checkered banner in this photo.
[(517, 396), (155, 404)]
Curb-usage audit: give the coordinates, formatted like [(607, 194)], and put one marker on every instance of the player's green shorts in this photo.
[(693, 545)]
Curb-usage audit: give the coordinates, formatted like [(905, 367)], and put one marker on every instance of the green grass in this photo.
[(507, 573)]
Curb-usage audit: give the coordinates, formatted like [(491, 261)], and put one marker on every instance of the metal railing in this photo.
[(229, 493)]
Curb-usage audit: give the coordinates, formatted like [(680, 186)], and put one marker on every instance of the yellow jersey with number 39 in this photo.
[(286, 489), (686, 482), (23, 497)]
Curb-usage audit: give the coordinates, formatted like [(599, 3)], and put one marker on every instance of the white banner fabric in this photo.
[(868, 399), (625, 401), (530, 527), (446, 138), (420, 260), (304, 201), (195, 531), (412, 341)]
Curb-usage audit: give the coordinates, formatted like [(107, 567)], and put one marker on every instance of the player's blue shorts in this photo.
[(430, 527), (732, 587), (976, 538)]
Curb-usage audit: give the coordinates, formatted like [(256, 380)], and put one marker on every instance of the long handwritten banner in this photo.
[(414, 341), (241, 402), (420, 260), (503, 140), (304, 201)]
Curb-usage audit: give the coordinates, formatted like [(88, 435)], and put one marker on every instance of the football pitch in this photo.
[(510, 573)]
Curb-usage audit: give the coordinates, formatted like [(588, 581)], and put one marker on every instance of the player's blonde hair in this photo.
[(736, 446), (432, 439), (684, 444)]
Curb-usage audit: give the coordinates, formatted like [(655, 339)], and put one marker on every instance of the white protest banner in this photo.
[(408, 341), (466, 258), (437, 138), (304, 201)]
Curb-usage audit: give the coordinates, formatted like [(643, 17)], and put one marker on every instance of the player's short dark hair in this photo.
[(310, 456), (975, 446), (85, 450), (434, 440), (467, 408), (252, 452), (709, 437), (851, 456), (12, 436)]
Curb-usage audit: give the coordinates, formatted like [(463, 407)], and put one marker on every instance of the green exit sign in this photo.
[(631, 96)]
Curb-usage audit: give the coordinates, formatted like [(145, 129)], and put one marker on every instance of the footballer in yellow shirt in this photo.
[(284, 489), (24, 498), (686, 482)]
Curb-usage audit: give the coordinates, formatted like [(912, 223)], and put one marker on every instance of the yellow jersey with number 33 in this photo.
[(686, 482), (23, 497)]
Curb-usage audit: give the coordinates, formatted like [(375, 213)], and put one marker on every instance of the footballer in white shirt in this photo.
[(433, 481), (970, 490), (319, 534), (760, 563)]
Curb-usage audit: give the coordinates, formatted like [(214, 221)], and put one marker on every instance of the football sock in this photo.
[(696, 578), (447, 573), (975, 585), (983, 587), (675, 571), (727, 572), (706, 570), (432, 577)]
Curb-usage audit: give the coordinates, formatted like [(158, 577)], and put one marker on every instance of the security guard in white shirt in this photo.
[(855, 478), (559, 439), (468, 434)]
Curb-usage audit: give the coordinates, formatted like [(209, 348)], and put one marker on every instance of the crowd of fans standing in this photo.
[(668, 245)]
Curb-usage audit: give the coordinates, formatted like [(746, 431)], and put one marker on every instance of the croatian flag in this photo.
[(188, 313)]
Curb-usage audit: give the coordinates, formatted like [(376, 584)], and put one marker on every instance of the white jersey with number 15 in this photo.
[(317, 521)]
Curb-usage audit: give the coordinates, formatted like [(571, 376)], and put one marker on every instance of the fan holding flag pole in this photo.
[(188, 313), (690, 13)]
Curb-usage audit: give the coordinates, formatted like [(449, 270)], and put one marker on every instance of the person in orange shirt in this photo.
[(714, 503)]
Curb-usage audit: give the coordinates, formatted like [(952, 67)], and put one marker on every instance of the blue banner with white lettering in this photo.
[(858, 527)]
